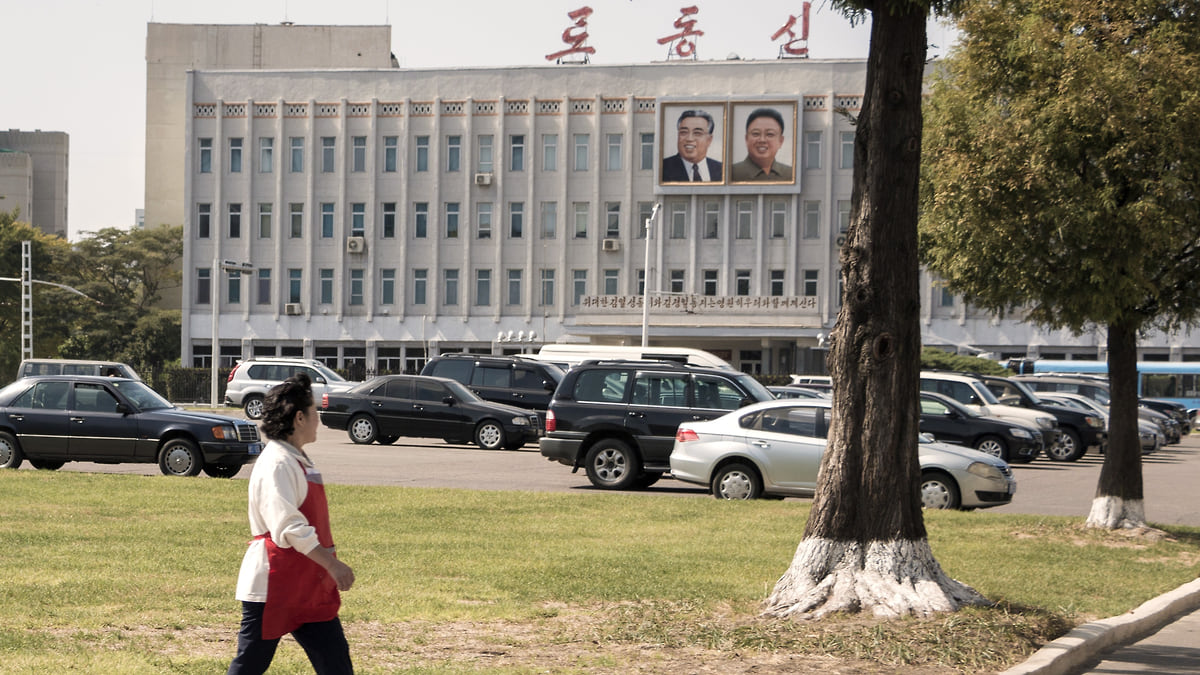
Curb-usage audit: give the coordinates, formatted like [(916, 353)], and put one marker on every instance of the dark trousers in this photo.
[(324, 642)]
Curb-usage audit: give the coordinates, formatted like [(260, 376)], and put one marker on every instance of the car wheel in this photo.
[(737, 481), (994, 446), (46, 464), (180, 457), (10, 451), (253, 405), (222, 470), (363, 429), (939, 491), (388, 440), (489, 435), (612, 465), (647, 479), (1068, 448)]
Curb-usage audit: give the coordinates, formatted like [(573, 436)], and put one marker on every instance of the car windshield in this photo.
[(328, 374), (141, 395), (461, 392), (756, 389), (958, 407), (985, 395), (1027, 391)]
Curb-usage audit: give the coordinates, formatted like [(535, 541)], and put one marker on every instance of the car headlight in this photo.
[(224, 433), (521, 421), (1046, 422), (1095, 422), (984, 470), (1019, 433)]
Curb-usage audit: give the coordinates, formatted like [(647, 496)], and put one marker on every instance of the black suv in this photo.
[(1079, 430), (512, 380), (618, 418)]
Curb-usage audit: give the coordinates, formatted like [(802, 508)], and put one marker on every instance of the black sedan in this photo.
[(76, 418), (949, 421), (391, 406)]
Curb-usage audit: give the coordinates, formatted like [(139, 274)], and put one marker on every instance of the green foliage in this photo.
[(54, 309), (1060, 162), (933, 358)]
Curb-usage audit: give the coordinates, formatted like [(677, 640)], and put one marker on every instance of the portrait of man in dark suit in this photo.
[(765, 137), (691, 163)]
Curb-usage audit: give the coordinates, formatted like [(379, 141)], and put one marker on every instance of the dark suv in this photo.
[(511, 380), (618, 418), (1079, 430)]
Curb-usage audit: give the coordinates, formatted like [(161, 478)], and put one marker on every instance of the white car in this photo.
[(251, 379), (774, 448)]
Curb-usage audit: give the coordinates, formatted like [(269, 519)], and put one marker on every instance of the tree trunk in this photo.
[(865, 545), (1118, 502)]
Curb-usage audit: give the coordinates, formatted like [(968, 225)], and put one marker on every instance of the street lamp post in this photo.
[(27, 281), (215, 299), (646, 280)]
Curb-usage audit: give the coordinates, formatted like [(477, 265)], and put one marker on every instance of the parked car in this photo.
[(512, 380), (775, 448), (970, 391), (51, 420), (788, 391), (617, 419), (251, 379), (1078, 430), (1173, 409), (1095, 388), (1150, 435), (949, 421), (390, 406), (35, 367)]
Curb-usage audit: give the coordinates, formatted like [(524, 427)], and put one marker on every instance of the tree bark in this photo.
[(865, 545), (1118, 501)]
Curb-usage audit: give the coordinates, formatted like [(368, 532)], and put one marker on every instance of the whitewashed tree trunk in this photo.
[(1114, 513), (1118, 503)]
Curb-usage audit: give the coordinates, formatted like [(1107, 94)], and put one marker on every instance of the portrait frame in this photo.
[(669, 167), (740, 166)]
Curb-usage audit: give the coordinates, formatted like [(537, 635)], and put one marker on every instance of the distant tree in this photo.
[(1060, 178), (934, 358), (54, 309), (865, 545)]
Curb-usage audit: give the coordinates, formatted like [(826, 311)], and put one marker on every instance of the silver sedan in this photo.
[(774, 448)]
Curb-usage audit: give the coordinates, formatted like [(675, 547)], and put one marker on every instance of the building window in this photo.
[(812, 220), (745, 219), (235, 221), (741, 282), (810, 278), (612, 220), (611, 281), (516, 152), (356, 287), (549, 220), (847, 150), (264, 220), (358, 154), (514, 287), (778, 219), (204, 286), (326, 220), (614, 143), (777, 279), (389, 220), (579, 283), (710, 282), (326, 286), (387, 286), (204, 150), (296, 220), (203, 221), (420, 220), (549, 152), (641, 282), (391, 145), (420, 286), (547, 287), (295, 284), (235, 287), (358, 219), (678, 220), (812, 150), (450, 287), (235, 155), (644, 211), (452, 220), (485, 153), (328, 146), (422, 146), (266, 154), (581, 220), (297, 158), (843, 207), (516, 220), (483, 288), (483, 229), (581, 151), (453, 152), (264, 285), (676, 281), (945, 297), (647, 154), (712, 220)]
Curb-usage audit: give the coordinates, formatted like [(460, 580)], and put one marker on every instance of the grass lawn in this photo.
[(135, 574)]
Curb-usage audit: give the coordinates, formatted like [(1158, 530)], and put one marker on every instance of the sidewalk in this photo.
[(1161, 636)]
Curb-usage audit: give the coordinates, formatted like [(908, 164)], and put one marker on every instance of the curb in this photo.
[(1084, 642)]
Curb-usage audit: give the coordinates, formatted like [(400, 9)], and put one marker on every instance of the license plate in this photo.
[(255, 448)]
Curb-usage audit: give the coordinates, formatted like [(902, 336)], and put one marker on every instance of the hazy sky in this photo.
[(79, 65)]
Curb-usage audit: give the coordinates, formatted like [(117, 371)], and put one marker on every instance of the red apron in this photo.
[(300, 591)]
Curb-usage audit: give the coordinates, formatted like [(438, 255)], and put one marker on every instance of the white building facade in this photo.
[(374, 218)]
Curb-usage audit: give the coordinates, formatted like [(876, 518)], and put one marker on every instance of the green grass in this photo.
[(133, 574)]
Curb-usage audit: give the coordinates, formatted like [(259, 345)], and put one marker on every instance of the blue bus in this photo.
[(1170, 380)]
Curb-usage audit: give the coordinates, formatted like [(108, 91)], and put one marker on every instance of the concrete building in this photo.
[(33, 177)]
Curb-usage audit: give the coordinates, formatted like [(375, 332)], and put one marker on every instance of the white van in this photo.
[(568, 355), (35, 367)]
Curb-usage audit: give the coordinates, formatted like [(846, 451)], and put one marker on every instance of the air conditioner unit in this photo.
[(483, 179), (610, 245), (841, 240), (293, 309), (356, 244)]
